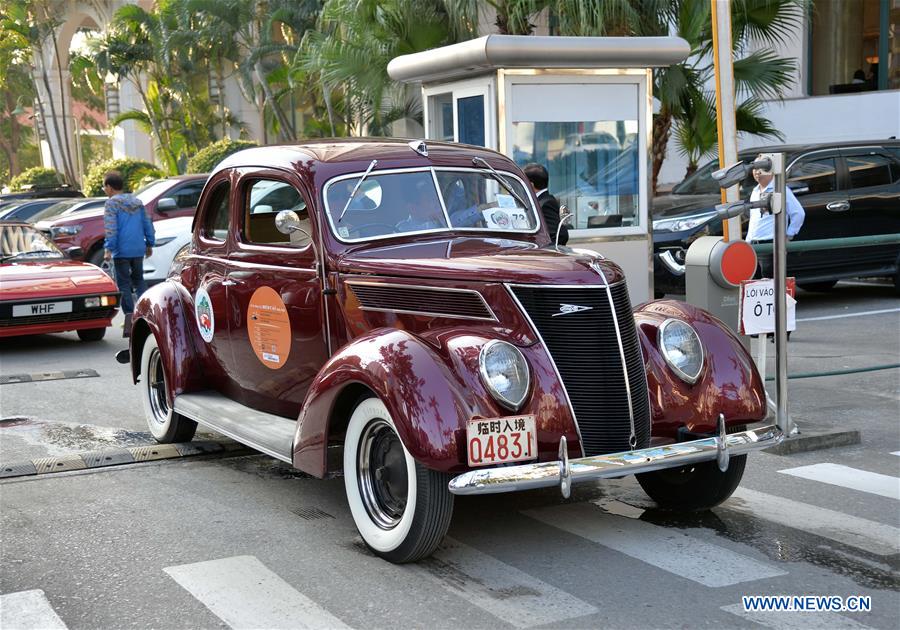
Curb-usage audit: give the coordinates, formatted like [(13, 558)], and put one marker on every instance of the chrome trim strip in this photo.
[(442, 230), (492, 318), (537, 333), (632, 440), (235, 436), (546, 474), (675, 268)]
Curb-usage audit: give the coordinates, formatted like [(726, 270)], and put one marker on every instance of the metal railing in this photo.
[(832, 243)]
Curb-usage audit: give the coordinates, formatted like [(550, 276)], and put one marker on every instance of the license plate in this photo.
[(44, 308), (498, 440)]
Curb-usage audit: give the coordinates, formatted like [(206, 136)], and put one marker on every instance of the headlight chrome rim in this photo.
[(512, 405), (687, 378)]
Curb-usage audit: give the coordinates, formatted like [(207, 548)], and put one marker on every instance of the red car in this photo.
[(163, 198), (396, 312), (42, 291)]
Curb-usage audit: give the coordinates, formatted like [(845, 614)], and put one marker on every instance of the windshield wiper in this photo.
[(9, 257), (355, 188), (476, 160)]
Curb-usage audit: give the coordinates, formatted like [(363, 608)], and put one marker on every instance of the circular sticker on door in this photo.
[(203, 311), (269, 327)]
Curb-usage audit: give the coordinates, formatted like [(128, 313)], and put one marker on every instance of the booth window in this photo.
[(593, 167), (440, 109)]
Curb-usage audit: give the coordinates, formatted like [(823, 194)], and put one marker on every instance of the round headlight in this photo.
[(681, 348), (505, 373)]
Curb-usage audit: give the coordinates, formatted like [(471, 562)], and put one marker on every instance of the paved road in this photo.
[(245, 542)]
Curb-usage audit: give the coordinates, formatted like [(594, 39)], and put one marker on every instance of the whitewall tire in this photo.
[(165, 425), (401, 509)]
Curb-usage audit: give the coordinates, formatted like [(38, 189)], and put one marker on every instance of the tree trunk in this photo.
[(62, 103), (662, 128), (285, 130), (66, 172), (220, 86), (691, 169), (326, 96), (11, 148)]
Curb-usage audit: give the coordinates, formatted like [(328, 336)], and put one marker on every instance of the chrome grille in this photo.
[(396, 298), (585, 347)]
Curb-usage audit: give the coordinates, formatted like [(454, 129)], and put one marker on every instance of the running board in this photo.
[(270, 434)]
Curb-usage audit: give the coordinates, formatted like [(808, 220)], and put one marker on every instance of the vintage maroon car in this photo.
[(401, 307), (42, 291)]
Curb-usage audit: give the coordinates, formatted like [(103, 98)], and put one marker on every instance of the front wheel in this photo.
[(694, 487), (91, 334), (165, 425), (401, 509)]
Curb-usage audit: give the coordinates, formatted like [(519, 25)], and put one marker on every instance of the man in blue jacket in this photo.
[(129, 237)]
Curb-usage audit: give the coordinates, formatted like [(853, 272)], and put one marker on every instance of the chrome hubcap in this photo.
[(382, 474), (156, 388)]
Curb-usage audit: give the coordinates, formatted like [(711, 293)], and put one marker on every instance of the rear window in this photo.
[(873, 169)]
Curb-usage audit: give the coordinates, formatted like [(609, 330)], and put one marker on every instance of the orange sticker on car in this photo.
[(269, 328)]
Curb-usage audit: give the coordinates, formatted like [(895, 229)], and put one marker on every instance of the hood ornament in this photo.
[(568, 309)]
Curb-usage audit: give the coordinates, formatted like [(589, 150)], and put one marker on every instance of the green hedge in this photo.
[(206, 159), (134, 172), (36, 177)]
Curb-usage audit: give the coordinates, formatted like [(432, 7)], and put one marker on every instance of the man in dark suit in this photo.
[(539, 179)]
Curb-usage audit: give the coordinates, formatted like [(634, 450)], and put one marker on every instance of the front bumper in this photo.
[(565, 472)]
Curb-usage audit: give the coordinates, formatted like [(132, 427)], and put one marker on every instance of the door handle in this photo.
[(839, 206), (229, 283)]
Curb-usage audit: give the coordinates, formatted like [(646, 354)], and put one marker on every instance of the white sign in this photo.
[(758, 306)]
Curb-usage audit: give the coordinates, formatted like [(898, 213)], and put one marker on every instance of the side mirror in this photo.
[(730, 175), (287, 222), (166, 204), (75, 253), (798, 188)]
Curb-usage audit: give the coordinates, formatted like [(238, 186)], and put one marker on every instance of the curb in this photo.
[(815, 438), (116, 457)]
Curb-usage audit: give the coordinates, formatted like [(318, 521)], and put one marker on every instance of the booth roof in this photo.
[(495, 52)]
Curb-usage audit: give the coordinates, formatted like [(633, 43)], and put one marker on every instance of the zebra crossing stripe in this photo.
[(896, 453), (498, 588), (846, 477), (664, 548), (245, 594), (781, 620), (877, 538), (29, 610)]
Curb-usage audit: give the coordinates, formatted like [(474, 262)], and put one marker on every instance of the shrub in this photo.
[(36, 177), (134, 172), (206, 159)]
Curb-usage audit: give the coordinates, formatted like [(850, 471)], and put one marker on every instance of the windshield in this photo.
[(427, 200), (702, 183), (23, 241), (153, 190), (63, 207)]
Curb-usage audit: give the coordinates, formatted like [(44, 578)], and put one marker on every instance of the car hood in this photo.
[(481, 259), (26, 280), (71, 218), (669, 206)]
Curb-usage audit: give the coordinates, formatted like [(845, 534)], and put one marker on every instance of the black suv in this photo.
[(846, 189)]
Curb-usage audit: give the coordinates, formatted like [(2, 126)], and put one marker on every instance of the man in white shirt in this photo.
[(762, 226)]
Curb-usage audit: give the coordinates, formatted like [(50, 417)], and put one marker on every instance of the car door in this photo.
[(817, 179), (874, 195), (274, 297), (204, 279)]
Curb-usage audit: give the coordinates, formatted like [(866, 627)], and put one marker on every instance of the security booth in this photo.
[(581, 106)]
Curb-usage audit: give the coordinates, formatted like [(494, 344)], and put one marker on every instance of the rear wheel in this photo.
[(401, 509), (695, 487), (820, 287), (91, 334), (165, 425)]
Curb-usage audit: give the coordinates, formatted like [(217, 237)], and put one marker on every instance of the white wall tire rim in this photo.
[(154, 391), (383, 537)]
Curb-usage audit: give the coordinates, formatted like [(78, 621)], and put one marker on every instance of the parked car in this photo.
[(401, 304), (172, 235), (38, 193), (163, 198), (846, 189), (26, 209), (67, 206), (42, 291)]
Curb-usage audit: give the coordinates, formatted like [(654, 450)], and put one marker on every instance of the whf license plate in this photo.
[(498, 440), (44, 308)]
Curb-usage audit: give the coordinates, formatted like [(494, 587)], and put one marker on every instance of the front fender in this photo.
[(161, 312), (729, 384)]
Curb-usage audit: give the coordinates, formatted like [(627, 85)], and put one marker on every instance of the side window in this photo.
[(264, 200), (188, 195), (819, 174), (869, 170), (215, 221)]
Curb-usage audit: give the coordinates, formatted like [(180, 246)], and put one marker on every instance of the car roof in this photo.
[(818, 146)]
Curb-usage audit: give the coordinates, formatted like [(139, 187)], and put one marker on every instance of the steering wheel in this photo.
[(359, 228)]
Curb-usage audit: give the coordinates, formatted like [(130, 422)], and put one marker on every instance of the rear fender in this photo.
[(729, 383), (161, 312)]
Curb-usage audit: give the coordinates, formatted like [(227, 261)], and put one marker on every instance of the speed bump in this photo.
[(63, 463)]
